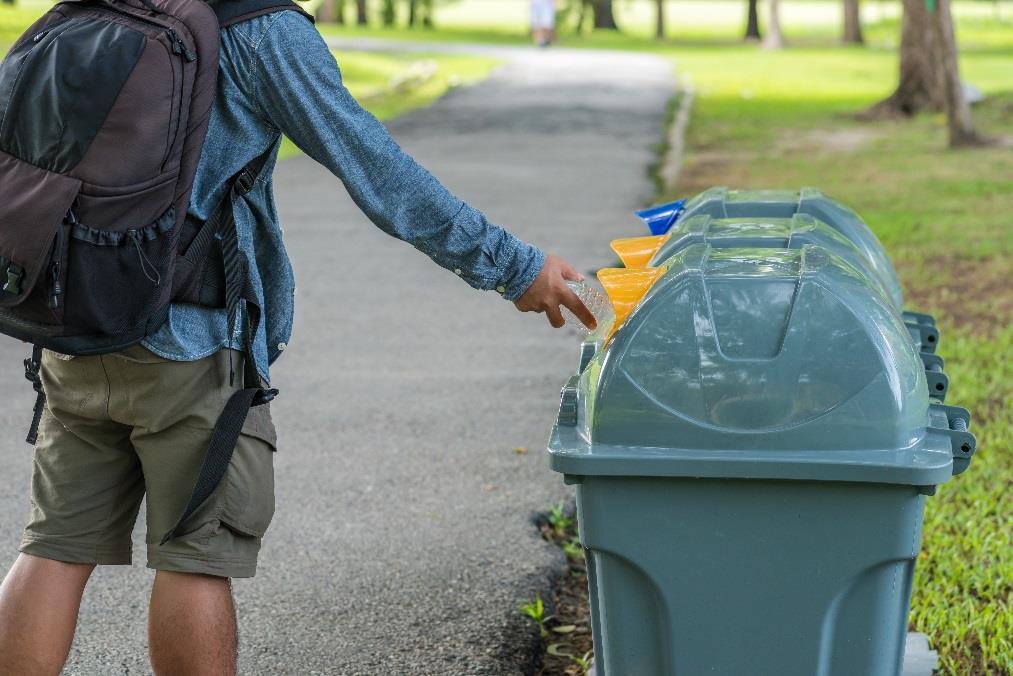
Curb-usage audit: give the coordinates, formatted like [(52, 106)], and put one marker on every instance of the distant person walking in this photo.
[(543, 21)]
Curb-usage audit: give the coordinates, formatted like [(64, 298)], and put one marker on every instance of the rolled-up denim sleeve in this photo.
[(299, 88)]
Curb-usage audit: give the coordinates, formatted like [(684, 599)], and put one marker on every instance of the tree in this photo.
[(331, 11), (604, 17), (929, 72), (420, 11), (753, 21), (773, 39), (361, 13), (958, 110), (388, 13), (660, 25), (920, 85), (585, 6), (853, 22)]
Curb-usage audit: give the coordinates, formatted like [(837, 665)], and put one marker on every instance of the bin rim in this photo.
[(928, 462)]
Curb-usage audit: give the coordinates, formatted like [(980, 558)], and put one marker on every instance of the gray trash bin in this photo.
[(752, 450), (780, 233), (720, 202)]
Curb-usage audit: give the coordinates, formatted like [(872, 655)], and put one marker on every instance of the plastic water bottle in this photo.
[(594, 300)]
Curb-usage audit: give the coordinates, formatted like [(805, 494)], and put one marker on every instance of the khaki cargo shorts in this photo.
[(121, 427)]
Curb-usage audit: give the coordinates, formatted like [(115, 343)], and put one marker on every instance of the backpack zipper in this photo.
[(179, 47), (55, 289), (41, 35)]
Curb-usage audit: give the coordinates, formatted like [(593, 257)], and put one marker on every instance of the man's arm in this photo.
[(299, 89)]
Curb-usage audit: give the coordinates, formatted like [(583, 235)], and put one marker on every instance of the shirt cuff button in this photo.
[(281, 347), (457, 271), (501, 289)]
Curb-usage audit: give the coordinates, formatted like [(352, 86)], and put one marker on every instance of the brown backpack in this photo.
[(104, 106)]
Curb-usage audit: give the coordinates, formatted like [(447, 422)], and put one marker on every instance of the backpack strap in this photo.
[(239, 296), (33, 370), (231, 12), (220, 229)]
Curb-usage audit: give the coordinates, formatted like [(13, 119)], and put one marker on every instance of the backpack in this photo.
[(104, 106)]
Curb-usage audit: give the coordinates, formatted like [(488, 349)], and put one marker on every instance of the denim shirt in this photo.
[(277, 76)]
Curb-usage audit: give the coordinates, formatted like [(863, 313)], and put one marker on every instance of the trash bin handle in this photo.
[(568, 402), (963, 443)]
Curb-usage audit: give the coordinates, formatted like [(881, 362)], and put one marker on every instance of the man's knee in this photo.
[(62, 570), (37, 665)]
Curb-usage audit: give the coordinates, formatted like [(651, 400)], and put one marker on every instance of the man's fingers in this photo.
[(572, 302), (555, 316), (569, 273)]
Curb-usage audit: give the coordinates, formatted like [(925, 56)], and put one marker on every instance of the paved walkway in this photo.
[(403, 538)]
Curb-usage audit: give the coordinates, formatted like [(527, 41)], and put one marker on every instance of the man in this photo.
[(123, 426)]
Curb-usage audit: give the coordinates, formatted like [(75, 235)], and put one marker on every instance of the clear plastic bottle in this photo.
[(594, 300)]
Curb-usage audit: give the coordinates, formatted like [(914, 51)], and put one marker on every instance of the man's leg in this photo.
[(192, 625), (39, 603)]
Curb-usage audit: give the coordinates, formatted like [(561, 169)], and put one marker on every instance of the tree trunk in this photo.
[(774, 39), (753, 22), (413, 9), (920, 87), (659, 31), (958, 110), (327, 12), (362, 15), (853, 22), (582, 15), (604, 17), (428, 17), (388, 13)]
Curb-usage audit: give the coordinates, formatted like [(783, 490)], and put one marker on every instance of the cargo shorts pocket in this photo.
[(247, 506)]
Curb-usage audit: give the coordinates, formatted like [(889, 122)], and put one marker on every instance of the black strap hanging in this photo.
[(33, 373), (240, 299)]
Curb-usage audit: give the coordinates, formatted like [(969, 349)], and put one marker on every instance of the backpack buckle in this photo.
[(12, 284), (245, 181), (264, 397)]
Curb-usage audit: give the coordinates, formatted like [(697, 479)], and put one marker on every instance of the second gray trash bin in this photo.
[(720, 202)]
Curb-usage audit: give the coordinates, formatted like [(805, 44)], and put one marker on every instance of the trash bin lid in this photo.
[(720, 202), (755, 232), (752, 363)]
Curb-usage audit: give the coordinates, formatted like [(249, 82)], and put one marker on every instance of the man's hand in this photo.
[(549, 291)]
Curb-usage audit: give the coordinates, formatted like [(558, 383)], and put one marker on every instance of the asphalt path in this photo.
[(404, 535)]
